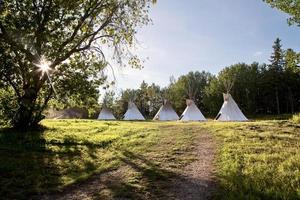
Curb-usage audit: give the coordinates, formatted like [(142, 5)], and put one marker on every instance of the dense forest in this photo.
[(257, 88)]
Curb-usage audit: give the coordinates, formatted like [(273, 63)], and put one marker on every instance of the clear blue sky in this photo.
[(206, 35)]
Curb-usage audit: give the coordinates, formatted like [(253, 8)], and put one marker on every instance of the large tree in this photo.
[(275, 71), (292, 8), (66, 41), (291, 77), (243, 82), (189, 86)]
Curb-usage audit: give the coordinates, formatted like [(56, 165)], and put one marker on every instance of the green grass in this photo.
[(296, 118), (258, 160), (68, 151), (270, 117)]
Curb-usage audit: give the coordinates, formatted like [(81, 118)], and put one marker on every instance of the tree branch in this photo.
[(42, 20), (92, 37), (90, 10), (12, 84), (8, 40), (47, 98)]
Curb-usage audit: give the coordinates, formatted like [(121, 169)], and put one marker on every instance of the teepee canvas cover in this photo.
[(192, 112), (106, 114), (166, 113), (133, 112), (230, 110), (69, 113)]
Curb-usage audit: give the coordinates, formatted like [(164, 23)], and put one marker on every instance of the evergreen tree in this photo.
[(277, 59), (275, 71)]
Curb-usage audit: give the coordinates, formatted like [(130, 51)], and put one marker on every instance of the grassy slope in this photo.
[(72, 150), (258, 160)]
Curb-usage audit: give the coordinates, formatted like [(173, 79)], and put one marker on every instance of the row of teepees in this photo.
[(229, 112)]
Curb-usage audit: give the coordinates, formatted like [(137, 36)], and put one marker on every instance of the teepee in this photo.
[(69, 113), (192, 112), (133, 112), (106, 114), (230, 111), (166, 113)]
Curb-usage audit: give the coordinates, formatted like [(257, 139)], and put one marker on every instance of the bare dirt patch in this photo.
[(98, 186)]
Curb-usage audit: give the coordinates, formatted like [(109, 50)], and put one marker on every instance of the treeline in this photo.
[(257, 88)]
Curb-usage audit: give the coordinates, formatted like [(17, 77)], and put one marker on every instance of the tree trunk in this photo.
[(277, 101), (291, 99), (25, 117)]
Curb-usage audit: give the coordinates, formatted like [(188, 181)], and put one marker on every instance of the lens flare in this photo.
[(43, 65)]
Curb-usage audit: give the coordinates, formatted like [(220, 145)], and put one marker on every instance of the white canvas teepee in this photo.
[(192, 112), (230, 111), (166, 113), (69, 113), (106, 114), (133, 112)]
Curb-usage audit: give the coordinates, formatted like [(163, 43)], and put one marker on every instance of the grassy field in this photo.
[(69, 151), (256, 160)]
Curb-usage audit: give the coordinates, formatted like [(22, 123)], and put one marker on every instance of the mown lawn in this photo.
[(256, 160), (68, 151)]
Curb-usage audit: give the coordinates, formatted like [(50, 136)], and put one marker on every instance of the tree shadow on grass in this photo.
[(136, 178), (29, 169), (162, 183), (150, 175), (30, 165), (27, 141), (26, 166)]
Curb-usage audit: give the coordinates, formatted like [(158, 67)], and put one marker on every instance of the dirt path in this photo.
[(197, 181)]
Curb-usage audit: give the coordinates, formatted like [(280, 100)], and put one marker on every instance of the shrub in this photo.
[(8, 105)]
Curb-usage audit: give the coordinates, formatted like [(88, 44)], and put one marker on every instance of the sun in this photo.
[(43, 65)]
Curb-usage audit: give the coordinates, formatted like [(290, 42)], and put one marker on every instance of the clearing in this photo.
[(87, 159)]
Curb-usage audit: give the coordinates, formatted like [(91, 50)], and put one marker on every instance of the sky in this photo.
[(205, 35)]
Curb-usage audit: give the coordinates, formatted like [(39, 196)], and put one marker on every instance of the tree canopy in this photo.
[(67, 42), (291, 7)]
